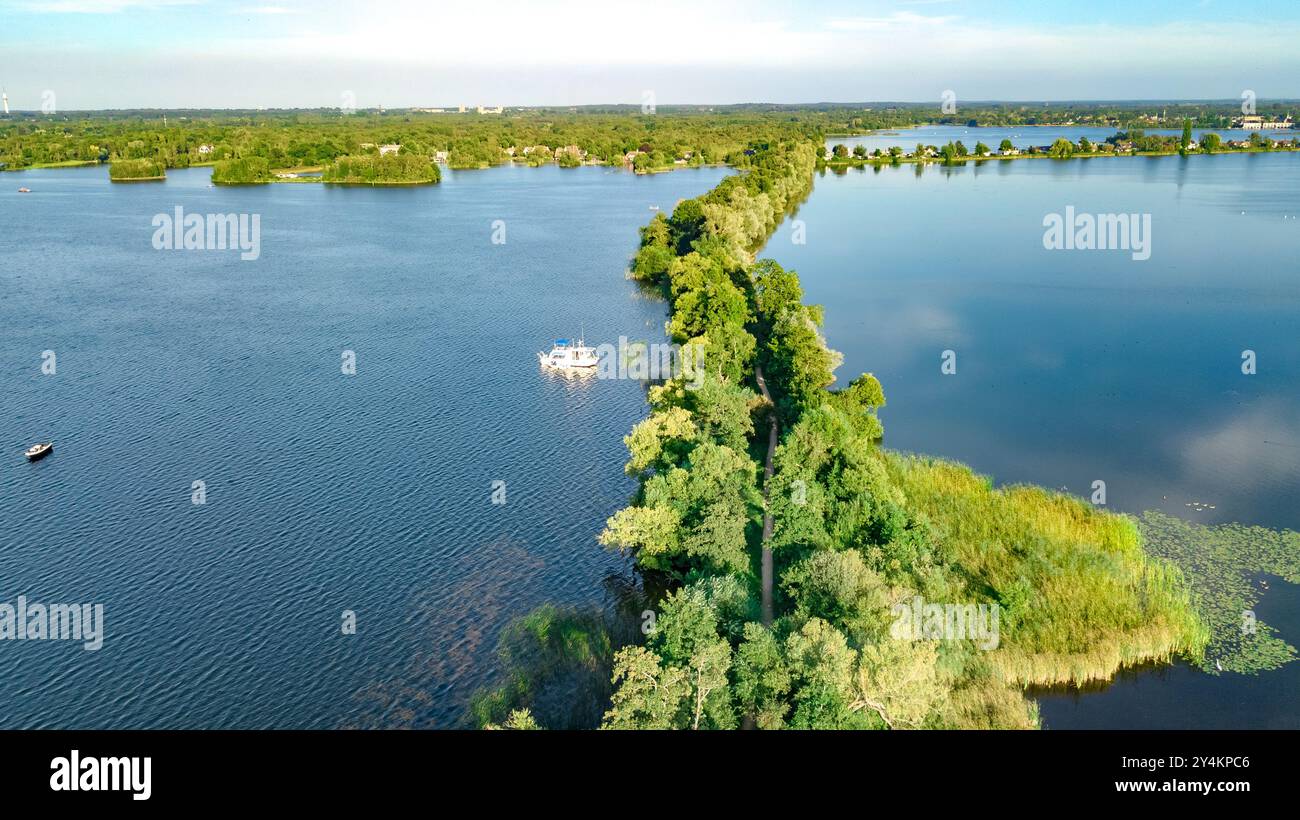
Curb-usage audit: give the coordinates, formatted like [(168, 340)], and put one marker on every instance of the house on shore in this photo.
[(1257, 123)]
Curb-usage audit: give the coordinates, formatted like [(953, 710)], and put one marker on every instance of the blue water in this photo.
[(325, 492), (1083, 365), (1020, 136)]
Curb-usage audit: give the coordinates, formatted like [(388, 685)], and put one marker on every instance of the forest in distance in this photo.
[(250, 147)]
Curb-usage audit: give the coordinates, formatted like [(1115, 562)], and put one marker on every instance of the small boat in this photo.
[(24, 190), (39, 451), (568, 356)]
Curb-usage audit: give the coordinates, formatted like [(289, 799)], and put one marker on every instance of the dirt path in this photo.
[(767, 510)]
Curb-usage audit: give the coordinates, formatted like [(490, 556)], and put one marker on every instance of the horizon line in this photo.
[(452, 109)]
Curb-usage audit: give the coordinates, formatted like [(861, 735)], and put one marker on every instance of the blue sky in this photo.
[(307, 53)]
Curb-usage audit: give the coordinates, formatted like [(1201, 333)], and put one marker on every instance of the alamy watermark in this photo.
[(209, 232), (1101, 232), (30, 621), (657, 361)]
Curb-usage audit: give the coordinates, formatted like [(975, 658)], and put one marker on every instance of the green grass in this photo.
[(1081, 597)]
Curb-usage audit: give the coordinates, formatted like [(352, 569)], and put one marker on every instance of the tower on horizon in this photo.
[(4, 95)]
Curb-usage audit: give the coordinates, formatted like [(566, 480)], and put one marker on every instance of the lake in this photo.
[(324, 492), (1074, 366)]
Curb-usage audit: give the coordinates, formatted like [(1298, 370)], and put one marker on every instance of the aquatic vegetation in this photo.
[(1221, 562)]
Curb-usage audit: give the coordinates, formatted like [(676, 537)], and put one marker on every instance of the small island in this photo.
[(243, 171), (136, 170), (395, 168)]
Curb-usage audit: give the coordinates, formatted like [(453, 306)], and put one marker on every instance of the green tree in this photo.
[(1061, 149), (762, 679)]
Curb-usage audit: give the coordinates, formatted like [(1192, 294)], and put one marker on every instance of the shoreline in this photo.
[(856, 162)]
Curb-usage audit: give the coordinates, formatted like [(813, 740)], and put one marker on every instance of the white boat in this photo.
[(569, 356), (39, 451)]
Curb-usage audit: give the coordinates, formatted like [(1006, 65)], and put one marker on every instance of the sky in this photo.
[(95, 54)]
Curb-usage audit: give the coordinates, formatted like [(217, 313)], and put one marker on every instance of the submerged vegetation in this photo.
[(1223, 563), (1001, 588)]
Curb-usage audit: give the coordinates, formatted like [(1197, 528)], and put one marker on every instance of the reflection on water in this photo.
[(1075, 366)]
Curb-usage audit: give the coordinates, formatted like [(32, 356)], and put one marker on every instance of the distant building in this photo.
[(496, 110), (1256, 123), (440, 157), (205, 149), (392, 148)]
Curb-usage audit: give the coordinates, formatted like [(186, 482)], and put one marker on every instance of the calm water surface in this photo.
[(325, 492), (1074, 366)]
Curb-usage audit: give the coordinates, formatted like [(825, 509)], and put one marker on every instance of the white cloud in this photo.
[(1256, 446), (98, 6), (896, 20)]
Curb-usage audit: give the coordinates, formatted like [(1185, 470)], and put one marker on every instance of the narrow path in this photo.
[(767, 509)]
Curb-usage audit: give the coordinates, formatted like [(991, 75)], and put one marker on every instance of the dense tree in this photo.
[(1061, 148)]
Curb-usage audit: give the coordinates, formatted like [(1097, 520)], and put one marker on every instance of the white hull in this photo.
[(566, 356)]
